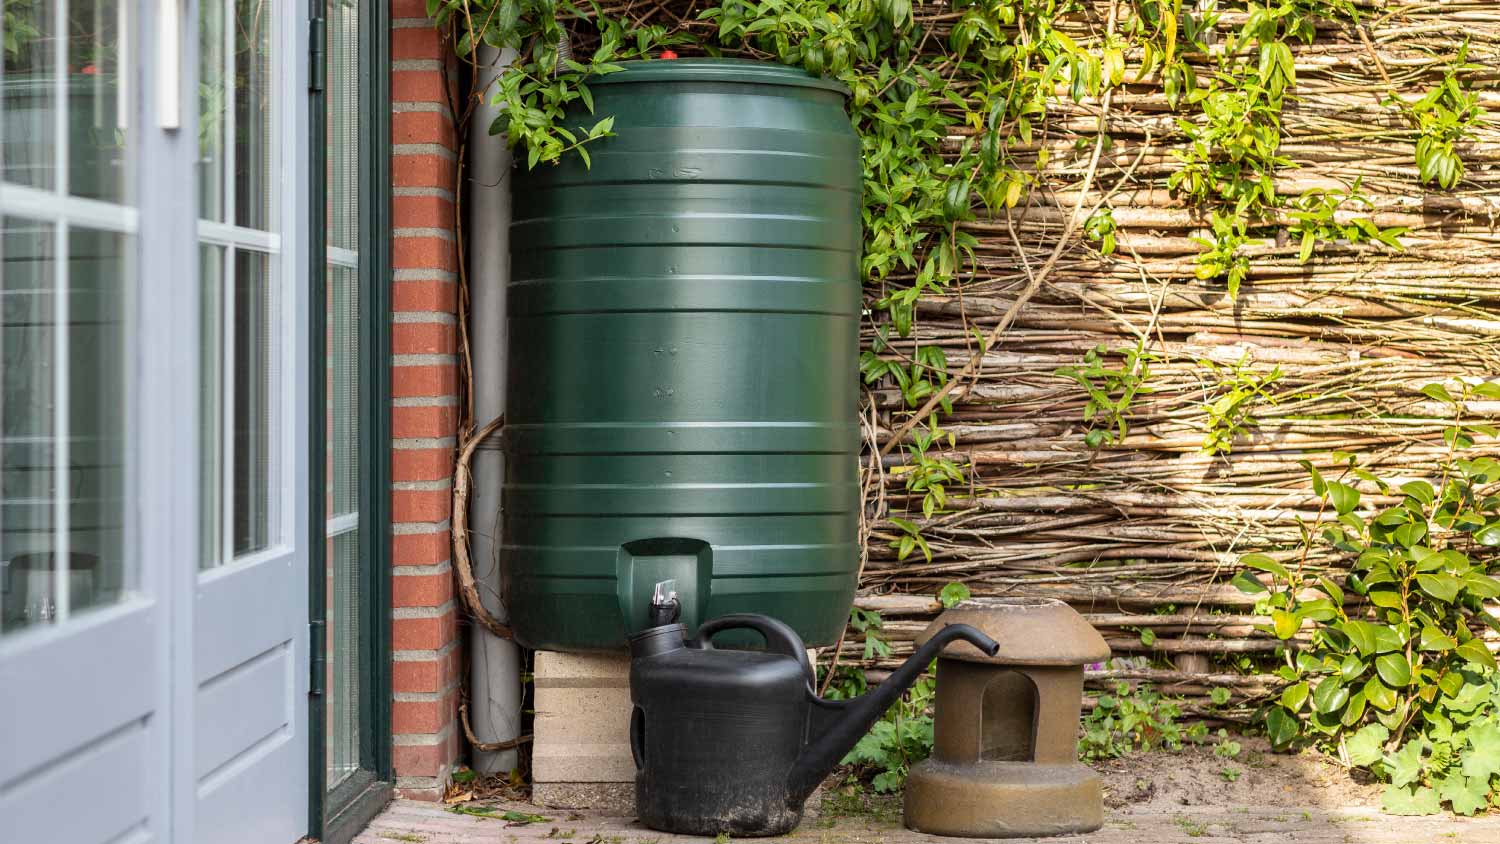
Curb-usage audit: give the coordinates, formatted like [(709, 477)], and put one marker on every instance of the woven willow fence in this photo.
[(1144, 534)]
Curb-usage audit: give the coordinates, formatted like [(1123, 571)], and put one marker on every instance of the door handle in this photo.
[(169, 64)]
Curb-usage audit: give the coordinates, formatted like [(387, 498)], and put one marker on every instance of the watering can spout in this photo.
[(838, 725)]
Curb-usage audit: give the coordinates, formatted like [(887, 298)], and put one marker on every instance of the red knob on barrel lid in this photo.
[(668, 54)]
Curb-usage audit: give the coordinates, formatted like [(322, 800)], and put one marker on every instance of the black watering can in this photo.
[(732, 741)]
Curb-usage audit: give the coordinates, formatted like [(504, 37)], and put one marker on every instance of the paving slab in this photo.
[(428, 823)]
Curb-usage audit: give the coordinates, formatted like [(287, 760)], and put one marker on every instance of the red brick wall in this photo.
[(425, 677)]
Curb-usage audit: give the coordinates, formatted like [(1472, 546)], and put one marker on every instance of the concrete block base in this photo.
[(581, 751)]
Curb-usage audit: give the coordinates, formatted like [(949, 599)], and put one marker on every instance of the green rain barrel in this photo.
[(681, 394)]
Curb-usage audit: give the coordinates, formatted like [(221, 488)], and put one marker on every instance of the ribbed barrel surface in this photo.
[(683, 331)]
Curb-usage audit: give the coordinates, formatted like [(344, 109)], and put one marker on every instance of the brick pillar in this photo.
[(424, 631)]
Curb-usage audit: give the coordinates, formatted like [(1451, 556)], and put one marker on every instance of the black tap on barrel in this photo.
[(734, 741)]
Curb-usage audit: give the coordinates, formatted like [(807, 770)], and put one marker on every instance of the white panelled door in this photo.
[(153, 436), (250, 647)]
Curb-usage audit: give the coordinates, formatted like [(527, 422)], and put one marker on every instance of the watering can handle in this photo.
[(779, 637)]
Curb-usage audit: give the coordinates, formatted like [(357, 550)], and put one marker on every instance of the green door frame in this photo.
[(340, 816)]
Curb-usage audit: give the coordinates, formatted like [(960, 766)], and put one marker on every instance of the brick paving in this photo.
[(428, 823)]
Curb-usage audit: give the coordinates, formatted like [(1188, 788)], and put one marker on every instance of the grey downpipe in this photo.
[(495, 664)]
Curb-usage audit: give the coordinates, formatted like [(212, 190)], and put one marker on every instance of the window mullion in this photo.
[(61, 451), (46, 205), (226, 404), (60, 89), (231, 22)]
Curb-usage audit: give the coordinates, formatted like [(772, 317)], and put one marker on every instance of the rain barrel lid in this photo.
[(742, 71)]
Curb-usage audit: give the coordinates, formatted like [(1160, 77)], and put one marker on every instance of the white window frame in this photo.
[(231, 238), (57, 208)]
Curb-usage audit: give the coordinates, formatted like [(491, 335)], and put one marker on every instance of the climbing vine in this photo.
[(1006, 66), (959, 109)]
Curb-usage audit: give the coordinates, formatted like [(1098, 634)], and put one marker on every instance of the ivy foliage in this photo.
[(1394, 674), (949, 132)]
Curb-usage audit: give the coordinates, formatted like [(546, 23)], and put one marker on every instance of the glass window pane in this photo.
[(28, 271), (211, 273), (343, 390), (253, 147), (97, 354), (62, 421), (344, 642), (343, 124), (251, 399), (28, 94), (96, 134), (213, 94)]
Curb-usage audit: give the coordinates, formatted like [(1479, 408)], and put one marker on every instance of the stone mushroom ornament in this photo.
[(1005, 744)]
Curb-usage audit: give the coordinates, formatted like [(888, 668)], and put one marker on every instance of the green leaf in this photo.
[(1483, 757), (1248, 583), (1441, 586), (1405, 801), (1366, 746), (1351, 668), (1344, 497), (1394, 669), (1281, 728), (1219, 695), (1354, 713), (1380, 695), (1361, 634), (1433, 639), (1405, 764), (952, 594), (1409, 535), (1420, 490), (1482, 585), (1439, 392), (1330, 696), (1489, 535), (1285, 623), (1476, 654), (1387, 639), (1467, 795), (1332, 590), (1262, 562), (1293, 696)]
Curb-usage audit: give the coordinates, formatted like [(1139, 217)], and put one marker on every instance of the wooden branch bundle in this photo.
[(1144, 533)]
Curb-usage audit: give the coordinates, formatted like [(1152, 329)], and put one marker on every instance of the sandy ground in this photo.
[(1256, 777)]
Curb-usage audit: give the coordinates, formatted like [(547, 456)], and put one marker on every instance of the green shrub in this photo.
[(897, 741), (1134, 719), (1395, 677), (903, 736)]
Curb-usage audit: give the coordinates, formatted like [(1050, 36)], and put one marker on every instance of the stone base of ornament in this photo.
[(1003, 799)]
